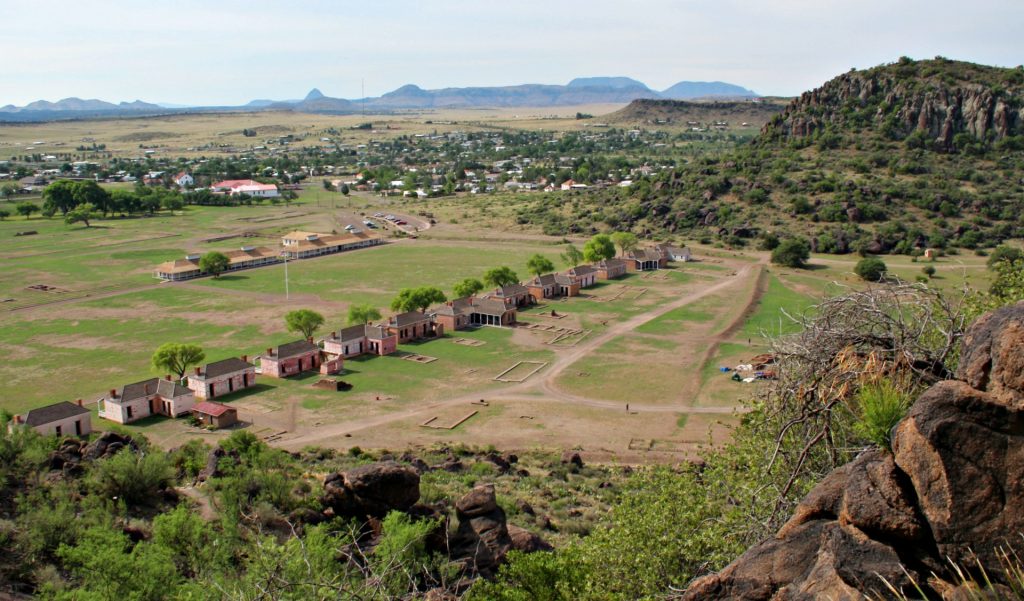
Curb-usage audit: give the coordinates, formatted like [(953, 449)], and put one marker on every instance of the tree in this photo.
[(539, 265), (26, 209), (88, 192), (1003, 253), (467, 287), (598, 248), (344, 190), (417, 299), (500, 276), (214, 263), (360, 314), (83, 212), (304, 321), (59, 196), (4, 214), (8, 191), (793, 252), (870, 269), (929, 271), (177, 358), (626, 241), (572, 256)]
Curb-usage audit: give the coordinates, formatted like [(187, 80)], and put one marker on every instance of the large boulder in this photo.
[(372, 490), (107, 445), (952, 490), (993, 355), (482, 539)]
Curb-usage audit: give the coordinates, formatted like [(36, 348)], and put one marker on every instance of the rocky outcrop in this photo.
[(482, 539), (953, 488), (939, 98), (372, 490)]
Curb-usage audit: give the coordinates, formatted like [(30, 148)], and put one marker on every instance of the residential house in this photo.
[(568, 184), (488, 310), (609, 269), (645, 259), (218, 415), (492, 311), (184, 180), (542, 287), (413, 325), (133, 402), (222, 377), (290, 359), (59, 419), (566, 285), (179, 269), (584, 275), (302, 245), (360, 340), (517, 294), (234, 187), (675, 253)]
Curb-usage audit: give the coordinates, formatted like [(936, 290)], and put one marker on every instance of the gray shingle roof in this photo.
[(165, 388), (53, 413), (295, 349), (221, 368), (408, 318)]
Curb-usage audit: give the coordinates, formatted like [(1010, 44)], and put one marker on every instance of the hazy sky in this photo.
[(232, 51)]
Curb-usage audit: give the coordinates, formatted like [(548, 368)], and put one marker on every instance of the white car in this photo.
[(350, 227)]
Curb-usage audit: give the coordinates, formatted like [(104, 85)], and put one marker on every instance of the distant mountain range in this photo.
[(585, 90)]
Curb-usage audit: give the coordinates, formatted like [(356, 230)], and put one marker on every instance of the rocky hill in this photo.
[(937, 99), (894, 159), (949, 492)]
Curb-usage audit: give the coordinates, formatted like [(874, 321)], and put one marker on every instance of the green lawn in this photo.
[(768, 317)]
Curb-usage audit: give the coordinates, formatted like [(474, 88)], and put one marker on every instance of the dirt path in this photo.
[(206, 510), (548, 391)]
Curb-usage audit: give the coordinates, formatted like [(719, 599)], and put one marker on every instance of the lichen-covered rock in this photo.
[(993, 355), (372, 490)]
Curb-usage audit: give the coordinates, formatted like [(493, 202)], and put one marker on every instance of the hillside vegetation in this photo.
[(892, 159)]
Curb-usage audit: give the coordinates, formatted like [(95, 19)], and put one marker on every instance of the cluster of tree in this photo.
[(65, 196)]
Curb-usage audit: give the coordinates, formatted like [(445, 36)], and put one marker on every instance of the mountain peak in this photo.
[(607, 82), (314, 94)]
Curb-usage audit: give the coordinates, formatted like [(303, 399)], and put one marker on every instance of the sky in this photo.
[(228, 52)]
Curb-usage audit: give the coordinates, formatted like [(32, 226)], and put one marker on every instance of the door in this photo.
[(78, 427), (231, 384), (57, 430)]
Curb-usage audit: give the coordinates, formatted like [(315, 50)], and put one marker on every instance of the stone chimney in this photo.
[(79, 401), (334, 334), (17, 419), (309, 340), (113, 393), (147, 388), (167, 377), (199, 371), (245, 358), (270, 352)]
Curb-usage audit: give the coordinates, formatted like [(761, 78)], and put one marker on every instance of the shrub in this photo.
[(870, 269), (882, 405), (134, 478), (792, 253)]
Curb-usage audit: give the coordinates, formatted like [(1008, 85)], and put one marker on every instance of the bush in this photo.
[(870, 269), (134, 478), (882, 405), (792, 253)]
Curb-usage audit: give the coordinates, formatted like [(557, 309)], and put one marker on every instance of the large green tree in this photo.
[(59, 196), (598, 248), (303, 321), (26, 208), (626, 241), (214, 263), (177, 358), (539, 265), (360, 314), (572, 256), (417, 299), (89, 192), (467, 287), (870, 269), (500, 276)]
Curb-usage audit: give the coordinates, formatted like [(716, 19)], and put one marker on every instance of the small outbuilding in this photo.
[(218, 415)]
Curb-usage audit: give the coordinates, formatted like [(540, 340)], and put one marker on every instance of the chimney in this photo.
[(334, 334), (245, 358), (309, 340), (79, 402), (270, 352), (199, 371), (113, 393), (17, 419), (147, 388), (168, 377)]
